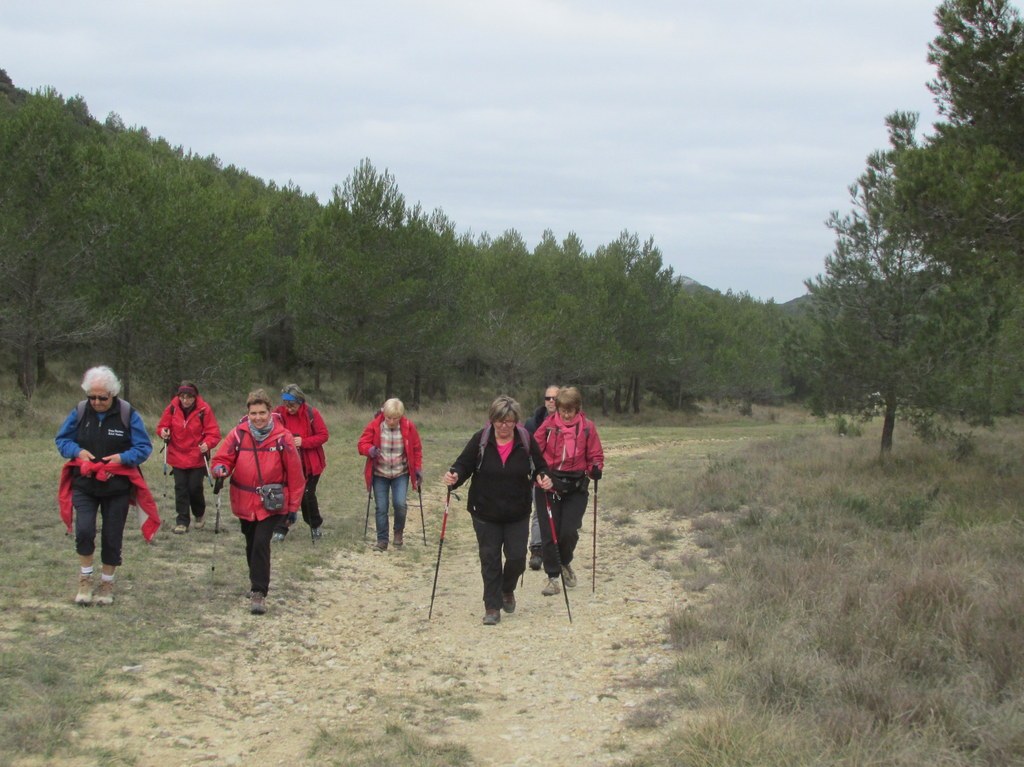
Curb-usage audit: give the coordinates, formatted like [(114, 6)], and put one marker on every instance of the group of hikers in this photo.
[(272, 460)]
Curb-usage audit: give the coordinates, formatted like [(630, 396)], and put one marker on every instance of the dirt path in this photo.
[(353, 650)]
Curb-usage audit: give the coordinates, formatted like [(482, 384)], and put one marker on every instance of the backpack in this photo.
[(126, 412), (524, 437)]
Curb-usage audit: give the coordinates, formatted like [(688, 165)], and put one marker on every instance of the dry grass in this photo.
[(858, 612), (873, 613)]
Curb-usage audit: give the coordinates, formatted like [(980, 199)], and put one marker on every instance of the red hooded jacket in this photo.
[(308, 424), (278, 463), (187, 432), (411, 446)]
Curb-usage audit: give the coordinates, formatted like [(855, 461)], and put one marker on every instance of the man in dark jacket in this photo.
[(532, 424)]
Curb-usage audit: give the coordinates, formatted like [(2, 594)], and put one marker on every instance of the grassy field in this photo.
[(858, 612)]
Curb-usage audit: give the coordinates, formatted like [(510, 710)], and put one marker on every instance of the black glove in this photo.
[(595, 472)]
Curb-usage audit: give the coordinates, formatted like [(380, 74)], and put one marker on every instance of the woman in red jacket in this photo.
[(310, 433), (260, 456), (190, 431), (394, 457)]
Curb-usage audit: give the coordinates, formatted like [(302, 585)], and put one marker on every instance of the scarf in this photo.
[(569, 432), (261, 434)]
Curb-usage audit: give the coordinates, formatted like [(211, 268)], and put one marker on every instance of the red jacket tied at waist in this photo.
[(139, 496)]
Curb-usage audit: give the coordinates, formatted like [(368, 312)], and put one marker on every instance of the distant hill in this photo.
[(799, 305), (692, 286), (796, 306)]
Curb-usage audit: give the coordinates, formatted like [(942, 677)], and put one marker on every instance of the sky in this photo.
[(725, 132)]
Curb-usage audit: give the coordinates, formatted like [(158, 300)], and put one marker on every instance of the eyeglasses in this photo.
[(504, 423), (97, 398), (550, 399)]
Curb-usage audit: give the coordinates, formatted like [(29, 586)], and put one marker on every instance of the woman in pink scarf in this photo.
[(572, 450)]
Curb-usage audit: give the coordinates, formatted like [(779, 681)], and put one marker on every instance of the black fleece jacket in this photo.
[(499, 493)]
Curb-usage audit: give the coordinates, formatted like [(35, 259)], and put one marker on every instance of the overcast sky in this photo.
[(727, 132)]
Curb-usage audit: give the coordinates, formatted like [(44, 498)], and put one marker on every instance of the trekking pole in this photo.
[(593, 567), (167, 467), (216, 520), (366, 524), (217, 487), (558, 554), (440, 544), (423, 520), (209, 476)]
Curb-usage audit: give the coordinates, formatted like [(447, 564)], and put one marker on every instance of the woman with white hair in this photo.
[(104, 441), (394, 458)]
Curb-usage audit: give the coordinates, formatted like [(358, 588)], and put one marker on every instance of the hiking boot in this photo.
[(399, 538), (180, 529), (536, 560), (492, 617), (104, 594), (568, 576), (508, 602), (380, 546), (84, 595), (277, 537), (200, 522), (551, 587), (317, 533), (258, 603)]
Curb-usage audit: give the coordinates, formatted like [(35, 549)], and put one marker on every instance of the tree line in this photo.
[(119, 247)]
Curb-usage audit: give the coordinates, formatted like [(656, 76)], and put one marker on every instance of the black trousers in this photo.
[(568, 512), (257, 551), (188, 494), (310, 507), (113, 510), (493, 538)]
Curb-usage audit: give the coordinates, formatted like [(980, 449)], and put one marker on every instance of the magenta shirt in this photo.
[(505, 450)]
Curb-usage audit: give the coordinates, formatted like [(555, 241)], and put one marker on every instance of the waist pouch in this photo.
[(568, 482), (272, 496)]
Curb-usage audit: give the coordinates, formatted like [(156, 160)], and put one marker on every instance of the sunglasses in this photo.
[(97, 398), (550, 399)]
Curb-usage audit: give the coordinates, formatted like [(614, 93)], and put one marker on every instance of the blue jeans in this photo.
[(399, 489)]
